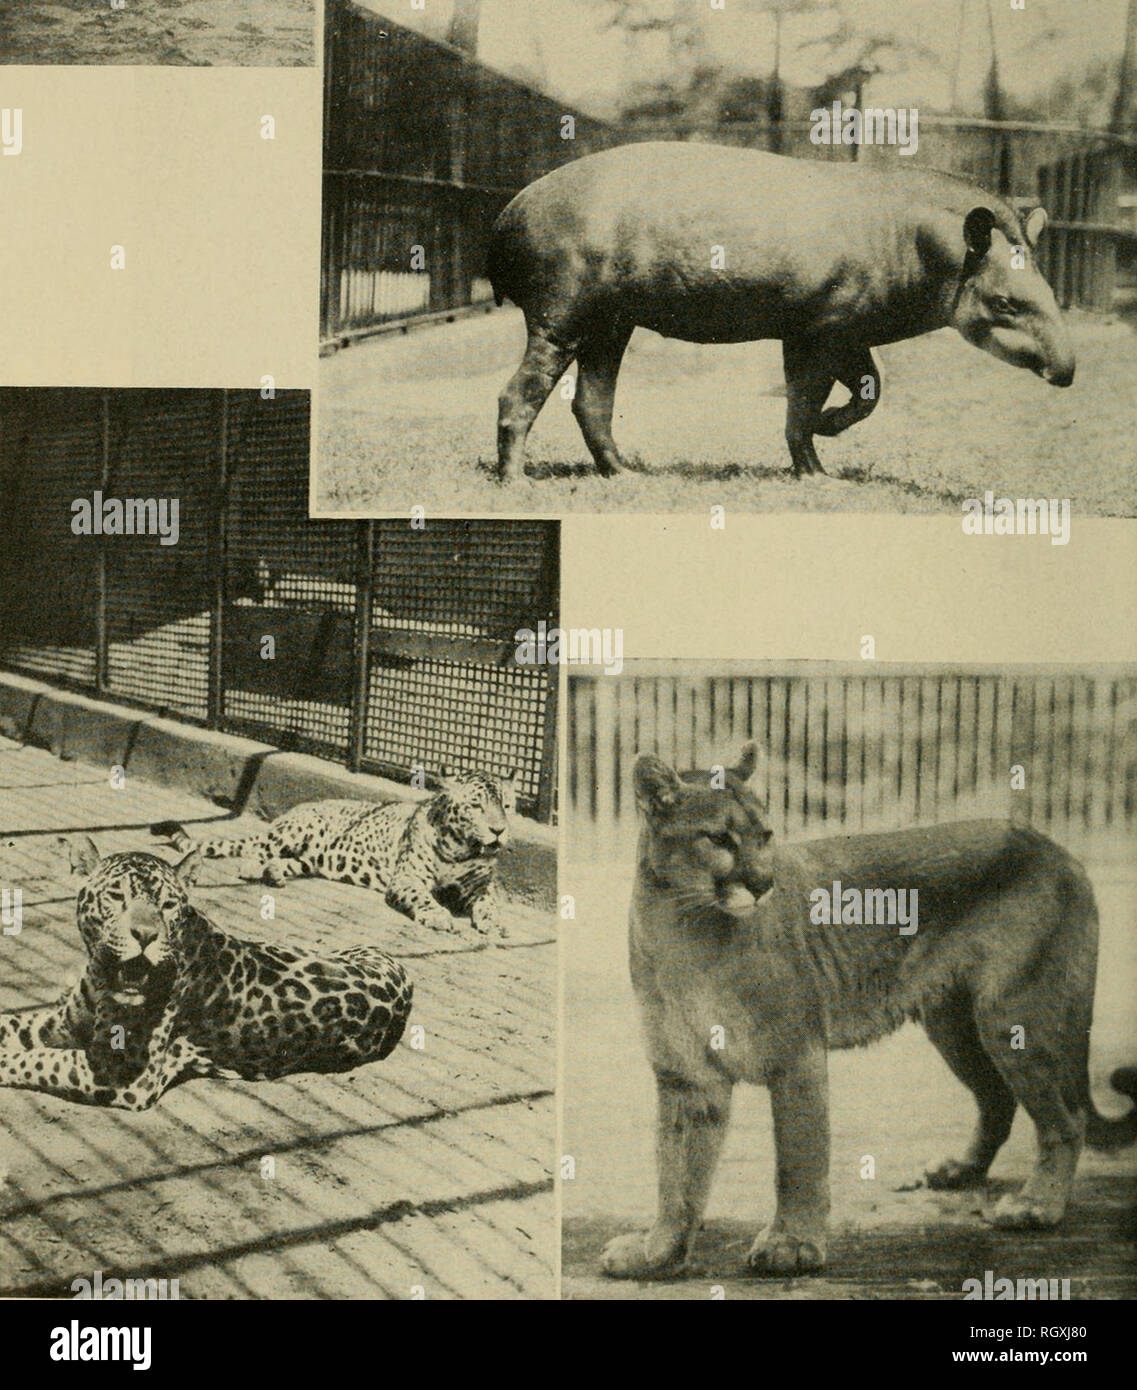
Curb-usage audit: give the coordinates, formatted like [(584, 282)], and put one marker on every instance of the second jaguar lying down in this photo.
[(430, 858)]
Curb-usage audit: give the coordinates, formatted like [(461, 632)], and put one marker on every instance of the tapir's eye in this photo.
[(1003, 306)]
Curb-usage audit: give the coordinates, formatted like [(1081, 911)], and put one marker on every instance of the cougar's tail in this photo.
[(1114, 1134), (183, 842)]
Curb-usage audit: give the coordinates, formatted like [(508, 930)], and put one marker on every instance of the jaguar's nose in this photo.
[(143, 933)]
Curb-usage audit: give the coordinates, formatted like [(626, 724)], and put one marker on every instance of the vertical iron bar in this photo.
[(218, 563), (547, 778), (364, 578), (102, 664)]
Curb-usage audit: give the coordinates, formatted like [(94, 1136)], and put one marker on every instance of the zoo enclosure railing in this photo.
[(423, 147), (372, 643), (846, 749)]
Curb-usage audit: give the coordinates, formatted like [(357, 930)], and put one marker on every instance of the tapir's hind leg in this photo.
[(598, 364), (528, 389)]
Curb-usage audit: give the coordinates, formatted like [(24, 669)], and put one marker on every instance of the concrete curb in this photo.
[(237, 773)]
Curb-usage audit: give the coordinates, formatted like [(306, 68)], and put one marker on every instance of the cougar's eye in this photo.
[(1003, 306), (724, 839)]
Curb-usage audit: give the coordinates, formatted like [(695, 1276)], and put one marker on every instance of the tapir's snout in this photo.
[(1060, 373)]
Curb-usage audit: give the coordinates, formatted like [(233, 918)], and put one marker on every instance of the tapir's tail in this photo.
[(494, 267), (502, 259), (1114, 1134)]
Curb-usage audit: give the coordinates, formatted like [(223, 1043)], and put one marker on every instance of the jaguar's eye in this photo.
[(724, 839), (1003, 306)]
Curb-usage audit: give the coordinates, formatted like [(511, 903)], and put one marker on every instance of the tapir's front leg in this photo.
[(860, 374), (809, 379)]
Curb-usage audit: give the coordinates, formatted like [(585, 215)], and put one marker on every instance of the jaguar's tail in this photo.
[(232, 848)]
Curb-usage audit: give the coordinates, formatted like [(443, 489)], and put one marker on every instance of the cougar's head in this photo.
[(704, 833)]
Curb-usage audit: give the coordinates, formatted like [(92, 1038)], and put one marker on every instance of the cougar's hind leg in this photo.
[(951, 1027), (598, 363), (1034, 1074), (542, 366)]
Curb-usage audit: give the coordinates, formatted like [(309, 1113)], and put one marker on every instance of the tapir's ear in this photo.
[(656, 785), (82, 853), (1034, 226), (977, 226)]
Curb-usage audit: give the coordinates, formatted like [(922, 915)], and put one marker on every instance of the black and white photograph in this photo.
[(182, 33), (278, 868), (646, 256), (890, 902)]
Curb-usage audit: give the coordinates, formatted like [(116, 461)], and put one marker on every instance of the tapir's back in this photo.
[(674, 231)]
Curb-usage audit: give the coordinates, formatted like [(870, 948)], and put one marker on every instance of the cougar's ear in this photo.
[(187, 869), (82, 854), (1034, 224), (656, 786), (977, 228), (749, 762)]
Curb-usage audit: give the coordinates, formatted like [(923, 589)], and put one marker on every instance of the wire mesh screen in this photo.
[(290, 584), (204, 591), (50, 457), (447, 603), (162, 455)]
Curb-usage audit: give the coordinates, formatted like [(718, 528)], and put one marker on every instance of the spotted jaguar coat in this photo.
[(166, 996), (434, 860)]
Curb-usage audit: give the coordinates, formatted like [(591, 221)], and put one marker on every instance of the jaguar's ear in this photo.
[(187, 869), (446, 778), (82, 854), (656, 786)]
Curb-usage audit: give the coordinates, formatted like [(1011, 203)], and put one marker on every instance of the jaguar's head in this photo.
[(133, 911), (472, 810), (703, 833)]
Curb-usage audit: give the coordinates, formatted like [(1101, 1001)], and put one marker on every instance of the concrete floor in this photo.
[(428, 1174), (895, 1101)]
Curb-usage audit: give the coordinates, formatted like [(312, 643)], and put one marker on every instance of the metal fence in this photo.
[(850, 749), (1079, 252), (373, 643), (423, 147)]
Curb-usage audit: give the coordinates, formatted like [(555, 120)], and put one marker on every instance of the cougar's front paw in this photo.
[(1019, 1212), (953, 1174), (644, 1255), (781, 1252)]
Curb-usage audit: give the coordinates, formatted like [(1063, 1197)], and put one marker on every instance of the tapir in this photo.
[(724, 245)]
